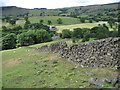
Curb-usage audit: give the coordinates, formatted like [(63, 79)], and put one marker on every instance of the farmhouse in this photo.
[(52, 27)]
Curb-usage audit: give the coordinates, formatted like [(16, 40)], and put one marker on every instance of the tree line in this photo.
[(98, 32)]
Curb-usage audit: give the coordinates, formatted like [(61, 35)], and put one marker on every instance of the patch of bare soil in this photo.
[(18, 79), (48, 58), (12, 62)]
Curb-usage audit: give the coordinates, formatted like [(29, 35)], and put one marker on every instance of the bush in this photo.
[(75, 40), (24, 39), (66, 33), (85, 39), (33, 37), (90, 21), (118, 30), (77, 33), (42, 36), (82, 20), (59, 21), (9, 41)]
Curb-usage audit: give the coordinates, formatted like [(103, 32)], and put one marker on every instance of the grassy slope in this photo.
[(66, 20), (24, 67), (36, 19)]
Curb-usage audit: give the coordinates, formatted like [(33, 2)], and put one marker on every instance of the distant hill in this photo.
[(13, 11), (98, 12), (101, 12)]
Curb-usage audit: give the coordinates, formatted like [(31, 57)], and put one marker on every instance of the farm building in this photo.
[(52, 27)]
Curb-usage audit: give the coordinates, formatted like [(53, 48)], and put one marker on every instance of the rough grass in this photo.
[(27, 68)]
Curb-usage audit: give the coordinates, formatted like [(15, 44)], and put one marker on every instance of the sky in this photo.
[(52, 4)]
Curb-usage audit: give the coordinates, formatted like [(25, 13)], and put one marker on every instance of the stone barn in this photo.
[(52, 27)]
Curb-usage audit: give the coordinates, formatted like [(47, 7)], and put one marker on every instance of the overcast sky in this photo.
[(51, 4)]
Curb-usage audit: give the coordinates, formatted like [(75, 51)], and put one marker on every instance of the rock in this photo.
[(92, 79), (116, 80), (55, 62), (88, 73), (97, 84), (112, 88), (105, 80), (81, 87)]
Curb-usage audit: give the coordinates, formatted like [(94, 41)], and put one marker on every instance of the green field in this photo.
[(27, 68), (82, 25), (36, 19), (66, 20)]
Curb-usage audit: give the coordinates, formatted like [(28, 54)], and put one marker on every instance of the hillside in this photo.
[(95, 12), (53, 19), (36, 69), (13, 11)]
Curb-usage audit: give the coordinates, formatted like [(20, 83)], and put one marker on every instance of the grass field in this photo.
[(27, 68), (66, 20), (82, 25), (36, 19)]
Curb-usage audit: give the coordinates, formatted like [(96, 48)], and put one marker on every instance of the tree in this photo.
[(118, 30), (49, 22), (104, 25), (42, 36), (113, 33), (59, 21), (24, 39), (12, 22), (66, 33), (82, 20), (26, 18), (90, 21), (7, 19), (75, 40), (4, 28), (102, 32), (86, 38), (41, 21), (27, 24), (78, 33), (111, 23), (9, 41), (32, 37)]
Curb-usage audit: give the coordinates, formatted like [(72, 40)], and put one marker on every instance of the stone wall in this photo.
[(98, 53)]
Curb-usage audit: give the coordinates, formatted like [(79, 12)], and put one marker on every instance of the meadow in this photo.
[(65, 20), (82, 25), (36, 19)]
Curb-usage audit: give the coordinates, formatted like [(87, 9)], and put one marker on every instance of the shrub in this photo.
[(59, 21), (66, 33), (9, 41), (24, 39), (77, 33), (75, 40)]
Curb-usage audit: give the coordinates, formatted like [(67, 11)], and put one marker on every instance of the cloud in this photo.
[(53, 3), (2, 2)]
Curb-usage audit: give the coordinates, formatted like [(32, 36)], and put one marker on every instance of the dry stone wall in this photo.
[(98, 53)]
